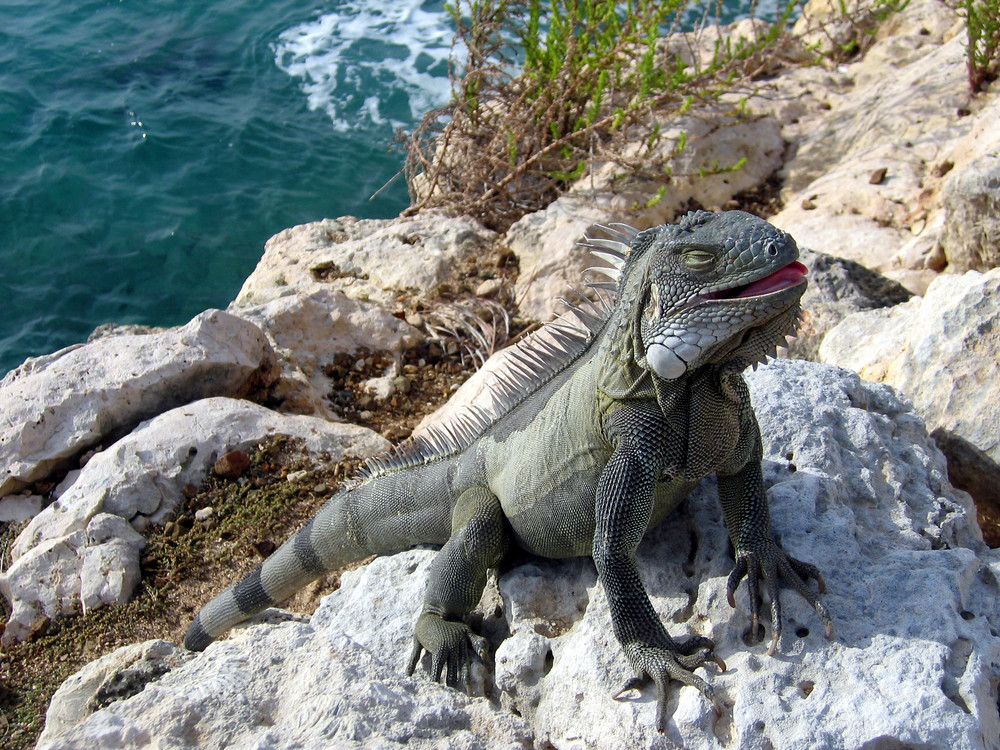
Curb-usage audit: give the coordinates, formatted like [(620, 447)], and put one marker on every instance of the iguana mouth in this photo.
[(784, 278)]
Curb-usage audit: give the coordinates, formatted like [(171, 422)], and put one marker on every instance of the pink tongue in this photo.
[(783, 278)]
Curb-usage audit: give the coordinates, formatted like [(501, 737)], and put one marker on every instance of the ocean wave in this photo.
[(371, 63)]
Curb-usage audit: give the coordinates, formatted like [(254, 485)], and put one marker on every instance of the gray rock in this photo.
[(53, 408), (367, 259), (837, 288), (82, 693), (308, 330), (17, 508), (971, 237), (83, 550), (941, 350), (855, 486)]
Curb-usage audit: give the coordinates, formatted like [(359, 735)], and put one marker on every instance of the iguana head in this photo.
[(716, 287)]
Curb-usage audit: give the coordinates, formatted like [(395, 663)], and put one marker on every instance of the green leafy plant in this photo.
[(549, 88), (982, 25)]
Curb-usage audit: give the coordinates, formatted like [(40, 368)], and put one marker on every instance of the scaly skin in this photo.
[(612, 432)]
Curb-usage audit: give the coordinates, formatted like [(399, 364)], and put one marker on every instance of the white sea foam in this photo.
[(371, 62)]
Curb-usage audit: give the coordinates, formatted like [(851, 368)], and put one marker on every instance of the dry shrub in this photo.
[(548, 89)]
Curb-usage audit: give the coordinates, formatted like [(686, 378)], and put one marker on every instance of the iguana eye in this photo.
[(698, 260)]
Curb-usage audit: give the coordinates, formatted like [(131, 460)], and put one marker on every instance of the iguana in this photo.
[(600, 426)]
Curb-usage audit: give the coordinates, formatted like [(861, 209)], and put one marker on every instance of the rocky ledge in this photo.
[(855, 486), (100, 443)]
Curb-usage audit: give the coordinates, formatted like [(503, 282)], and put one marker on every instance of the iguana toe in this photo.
[(450, 644), (767, 563), (661, 665)]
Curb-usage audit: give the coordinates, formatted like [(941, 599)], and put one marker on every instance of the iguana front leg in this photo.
[(758, 557), (457, 579), (624, 505)]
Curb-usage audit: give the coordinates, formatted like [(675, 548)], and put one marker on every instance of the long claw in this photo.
[(414, 657), (661, 702), (633, 683), (717, 706), (774, 643), (481, 646), (734, 581)]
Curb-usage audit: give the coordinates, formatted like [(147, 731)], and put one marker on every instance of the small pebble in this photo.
[(488, 287), (396, 432), (232, 465)]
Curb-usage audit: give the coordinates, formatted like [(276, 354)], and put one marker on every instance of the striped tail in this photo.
[(383, 515), (325, 543)]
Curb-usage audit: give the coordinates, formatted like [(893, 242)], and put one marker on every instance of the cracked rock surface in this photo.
[(856, 487)]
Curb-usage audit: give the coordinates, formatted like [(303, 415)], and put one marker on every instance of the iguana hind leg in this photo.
[(457, 579)]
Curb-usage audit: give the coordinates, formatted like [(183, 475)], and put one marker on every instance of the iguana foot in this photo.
[(664, 664), (769, 563), (449, 643)]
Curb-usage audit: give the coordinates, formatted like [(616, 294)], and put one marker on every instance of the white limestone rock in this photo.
[(876, 140), (545, 243), (295, 686), (119, 674), (17, 508), (367, 259), (110, 562), (84, 548), (855, 486), (308, 330), (941, 350), (837, 288), (53, 408), (971, 236)]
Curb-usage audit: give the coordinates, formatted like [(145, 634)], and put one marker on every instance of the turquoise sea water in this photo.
[(149, 149)]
